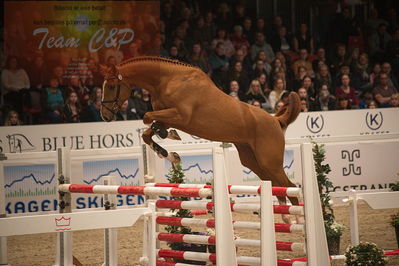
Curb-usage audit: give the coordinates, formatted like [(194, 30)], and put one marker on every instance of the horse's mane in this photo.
[(155, 59)]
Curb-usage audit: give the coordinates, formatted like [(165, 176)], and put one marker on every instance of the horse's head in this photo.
[(115, 92)]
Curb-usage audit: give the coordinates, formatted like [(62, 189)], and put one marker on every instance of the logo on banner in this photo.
[(19, 143), (315, 123), (62, 224), (374, 120), (351, 156)]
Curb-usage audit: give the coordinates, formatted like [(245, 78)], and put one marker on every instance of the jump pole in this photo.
[(225, 247), (268, 237), (3, 240), (316, 240), (64, 239), (110, 234)]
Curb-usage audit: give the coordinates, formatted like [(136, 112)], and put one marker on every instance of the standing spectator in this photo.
[(384, 91), (348, 91), (342, 27), (303, 61), (248, 33), (278, 90), (303, 39), (378, 43), (220, 65), (373, 22), (72, 108), (197, 57), (53, 102), (261, 45), (209, 23), (224, 16), (15, 83), (12, 119), (37, 73)]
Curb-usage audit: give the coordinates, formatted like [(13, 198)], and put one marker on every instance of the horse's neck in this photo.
[(144, 74)]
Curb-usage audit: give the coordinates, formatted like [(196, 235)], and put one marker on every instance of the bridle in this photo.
[(115, 101)]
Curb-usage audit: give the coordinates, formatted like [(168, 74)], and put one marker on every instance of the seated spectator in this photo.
[(347, 90), (37, 73), (174, 53), (323, 76), (222, 37), (201, 33), (375, 73), (239, 74), (220, 65), (241, 56), (264, 84), (307, 83), (324, 100), (301, 73), (394, 101), (12, 119), (92, 112), (361, 72), (392, 78), (261, 45), (234, 88), (303, 61), (378, 43), (304, 105), (248, 33), (53, 102), (383, 92), (278, 90), (238, 39), (321, 57), (96, 93), (278, 106), (255, 93), (113, 51), (373, 22), (343, 103), (353, 58), (15, 83), (343, 70), (303, 40), (340, 58), (72, 108), (82, 91), (365, 99), (197, 57), (372, 105), (283, 42), (260, 67), (261, 56), (143, 102), (256, 103)]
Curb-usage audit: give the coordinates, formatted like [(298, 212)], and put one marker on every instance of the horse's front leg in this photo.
[(158, 119), (173, 157)]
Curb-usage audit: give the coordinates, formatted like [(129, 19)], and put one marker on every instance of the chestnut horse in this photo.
[(185, 98)]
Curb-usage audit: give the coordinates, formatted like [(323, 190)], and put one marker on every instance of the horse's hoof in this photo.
[(174, 158), (173, 135), (159, 130)]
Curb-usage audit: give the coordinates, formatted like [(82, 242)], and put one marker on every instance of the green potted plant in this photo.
[(365, 254), (333, 229), (176, 175), (395, 186), (395, 223)]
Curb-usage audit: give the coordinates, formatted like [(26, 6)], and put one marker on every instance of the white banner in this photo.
[(125, 134)]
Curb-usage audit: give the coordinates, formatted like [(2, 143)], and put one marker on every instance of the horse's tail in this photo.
[(290, 112)]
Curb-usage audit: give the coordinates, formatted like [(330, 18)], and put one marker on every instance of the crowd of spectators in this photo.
[(256, 60)]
